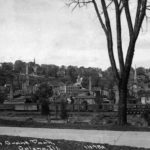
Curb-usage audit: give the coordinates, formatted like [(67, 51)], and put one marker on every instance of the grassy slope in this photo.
[(30, 123), (19, 143)]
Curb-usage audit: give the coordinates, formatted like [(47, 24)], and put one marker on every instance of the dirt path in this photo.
[(136, 139)]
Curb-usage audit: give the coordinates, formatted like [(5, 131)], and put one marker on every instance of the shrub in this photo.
[(64, 114), (45, 108)]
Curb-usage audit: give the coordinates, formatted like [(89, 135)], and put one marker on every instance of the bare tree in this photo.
[(134, 22)]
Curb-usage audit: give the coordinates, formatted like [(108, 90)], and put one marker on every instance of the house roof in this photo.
[(144, 93), (85, 97)]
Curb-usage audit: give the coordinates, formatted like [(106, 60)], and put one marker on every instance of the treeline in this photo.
[(65, 74)]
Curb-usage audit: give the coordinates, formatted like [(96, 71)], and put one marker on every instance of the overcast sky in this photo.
[(52, 34)]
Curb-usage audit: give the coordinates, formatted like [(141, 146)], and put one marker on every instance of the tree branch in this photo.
[(131, 48), (78, 3), (137, 13), (128, 17), (109, 40), (108, 5), (141, 18), (121, 6), (99, 17), (119, 37)]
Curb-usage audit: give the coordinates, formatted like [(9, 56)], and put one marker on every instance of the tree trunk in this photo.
[(122, 105)]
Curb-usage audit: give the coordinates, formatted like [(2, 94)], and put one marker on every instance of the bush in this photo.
[(45, 108), (3, 96), (64, 114), (146, 116)]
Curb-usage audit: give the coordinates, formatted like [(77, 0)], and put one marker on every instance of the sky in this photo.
[(52, 34)]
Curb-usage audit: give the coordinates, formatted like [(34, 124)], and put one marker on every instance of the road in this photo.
[(128, 138)]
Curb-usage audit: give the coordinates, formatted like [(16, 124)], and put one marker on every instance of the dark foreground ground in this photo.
[(24, 143)]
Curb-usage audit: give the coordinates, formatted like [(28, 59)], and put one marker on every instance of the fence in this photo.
[(54, 107)]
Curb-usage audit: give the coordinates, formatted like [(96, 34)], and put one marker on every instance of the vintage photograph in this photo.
[(74, 74)]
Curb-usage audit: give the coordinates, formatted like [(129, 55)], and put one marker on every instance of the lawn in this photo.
[(35, 120), (24, 143), (31, 123)]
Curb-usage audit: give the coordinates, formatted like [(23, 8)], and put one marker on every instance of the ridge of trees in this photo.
[(64, 74)]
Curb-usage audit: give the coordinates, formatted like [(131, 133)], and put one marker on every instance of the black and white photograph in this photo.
[(74, 74)]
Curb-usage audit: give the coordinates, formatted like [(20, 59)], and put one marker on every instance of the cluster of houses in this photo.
[(75, 93), (139, 88)]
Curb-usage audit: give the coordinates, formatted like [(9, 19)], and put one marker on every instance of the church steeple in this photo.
[(34, 61), (27, 68), (34, 68), (135, 86), (135, 75)]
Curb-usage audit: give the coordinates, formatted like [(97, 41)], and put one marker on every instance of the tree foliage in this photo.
[(141, 71), (43, 93), (19, 66)]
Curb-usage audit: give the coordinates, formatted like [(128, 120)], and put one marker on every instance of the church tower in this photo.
[(34, 68), (135, 86), (135, 76)]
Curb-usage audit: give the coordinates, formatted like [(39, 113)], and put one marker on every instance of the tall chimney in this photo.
[(135, 76), (27, 75), (11, 91), (27, 69), (90, 83)]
